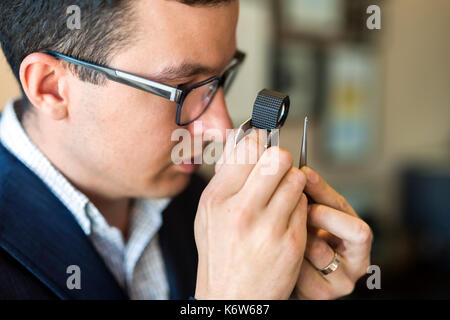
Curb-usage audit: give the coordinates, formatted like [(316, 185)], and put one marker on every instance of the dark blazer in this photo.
[(39, 239)]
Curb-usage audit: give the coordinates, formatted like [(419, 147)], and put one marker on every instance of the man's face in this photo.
[(122, 135)]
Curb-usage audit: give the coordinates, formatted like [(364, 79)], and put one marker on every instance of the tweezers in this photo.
[(303, 152)]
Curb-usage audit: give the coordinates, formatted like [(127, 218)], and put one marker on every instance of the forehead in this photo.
[(172, 33)]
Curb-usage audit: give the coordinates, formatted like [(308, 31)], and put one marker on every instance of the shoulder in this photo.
[(7, 162)]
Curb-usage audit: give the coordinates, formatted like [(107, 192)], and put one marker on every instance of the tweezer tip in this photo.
[(303, 147)]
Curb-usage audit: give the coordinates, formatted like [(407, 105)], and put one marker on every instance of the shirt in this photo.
[(137, 264)]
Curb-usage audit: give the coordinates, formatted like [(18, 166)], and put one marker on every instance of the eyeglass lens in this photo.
[(197, 101)]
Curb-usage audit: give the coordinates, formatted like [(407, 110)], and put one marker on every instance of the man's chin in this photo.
[(172, 184), (169, 183), (178, 184)]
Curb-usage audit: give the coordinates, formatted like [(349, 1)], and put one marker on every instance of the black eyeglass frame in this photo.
[(171, 93)]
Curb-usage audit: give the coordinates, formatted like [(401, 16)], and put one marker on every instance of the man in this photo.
[(91, 203)]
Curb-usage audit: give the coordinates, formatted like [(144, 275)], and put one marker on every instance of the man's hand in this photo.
[(333, 226), (250, 227)]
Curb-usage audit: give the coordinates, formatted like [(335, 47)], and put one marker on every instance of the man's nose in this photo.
[(216, 119)]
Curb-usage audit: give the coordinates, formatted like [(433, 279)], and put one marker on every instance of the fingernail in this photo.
[(312, 176)]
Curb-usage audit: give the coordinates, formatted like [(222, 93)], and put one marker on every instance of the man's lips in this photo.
[(190, 165), (189, 168)]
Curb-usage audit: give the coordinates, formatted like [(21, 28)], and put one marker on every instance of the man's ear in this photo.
[(43, 79)]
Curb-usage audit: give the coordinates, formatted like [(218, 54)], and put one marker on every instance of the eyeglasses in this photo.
[(192, 101)]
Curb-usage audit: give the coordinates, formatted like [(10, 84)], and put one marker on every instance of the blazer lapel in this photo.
[(40, 233)]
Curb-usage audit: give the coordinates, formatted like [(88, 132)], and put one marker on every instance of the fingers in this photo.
[(229, 146), (318, 252), (311, 284), (232, 154), (321, 192), (297, 220), (288, 193), (329, 238), (340, 224), (231, 172), (260, 185)]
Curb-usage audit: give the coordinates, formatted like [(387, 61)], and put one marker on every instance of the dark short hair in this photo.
[(29, 26)]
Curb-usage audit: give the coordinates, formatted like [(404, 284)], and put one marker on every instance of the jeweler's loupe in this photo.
[(270, 111)]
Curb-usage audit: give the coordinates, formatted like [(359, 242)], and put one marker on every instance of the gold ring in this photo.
[(334, 264)]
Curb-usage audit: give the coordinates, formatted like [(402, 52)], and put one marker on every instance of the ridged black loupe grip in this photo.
[(267, 109)]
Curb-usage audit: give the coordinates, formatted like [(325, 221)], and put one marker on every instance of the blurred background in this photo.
[(378, 103)]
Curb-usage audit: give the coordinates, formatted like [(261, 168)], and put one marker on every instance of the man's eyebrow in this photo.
[(184, 71)]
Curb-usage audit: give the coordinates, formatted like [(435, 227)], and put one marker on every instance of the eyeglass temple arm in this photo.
[(162, 90)]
